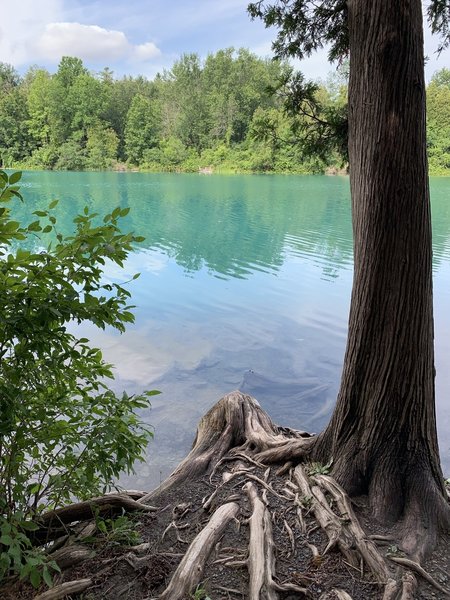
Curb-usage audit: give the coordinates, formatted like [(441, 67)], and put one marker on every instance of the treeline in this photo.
[(226, 112)]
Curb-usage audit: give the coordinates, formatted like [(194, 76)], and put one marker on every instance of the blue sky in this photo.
[(141, 36)]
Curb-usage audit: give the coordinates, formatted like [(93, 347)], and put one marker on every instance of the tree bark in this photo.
[(382, 434)]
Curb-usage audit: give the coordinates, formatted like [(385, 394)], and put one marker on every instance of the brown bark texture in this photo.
[(382, 434)]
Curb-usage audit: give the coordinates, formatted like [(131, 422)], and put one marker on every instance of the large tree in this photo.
[(382, 434)]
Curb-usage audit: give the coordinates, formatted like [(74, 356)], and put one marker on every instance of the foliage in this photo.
[(64, 433), (17, 553), (9, 78), (232, 111), (15, 139), (438, 122), (305, 26), (439, 18), (316, 468), (71, 155), (200, 593), (141, 129), (120, 531), (101, 146), (197, 114)]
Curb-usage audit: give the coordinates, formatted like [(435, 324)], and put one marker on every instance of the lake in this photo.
[(245, 283)]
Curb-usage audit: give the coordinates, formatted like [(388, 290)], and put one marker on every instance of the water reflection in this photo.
[(245, 283)]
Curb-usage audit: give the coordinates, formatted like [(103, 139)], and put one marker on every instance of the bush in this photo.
[(64, 434), (72, 156)]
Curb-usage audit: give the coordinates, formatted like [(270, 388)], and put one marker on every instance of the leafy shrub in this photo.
[(64, 433)]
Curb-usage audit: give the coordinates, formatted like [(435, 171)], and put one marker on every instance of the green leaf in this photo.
[(15, 177), (52, 204), (11, 226), (35, 226), (6, 540), (69, 429), (47, 577), (35, 578), (29, 526), (101, 525), (16, 193)]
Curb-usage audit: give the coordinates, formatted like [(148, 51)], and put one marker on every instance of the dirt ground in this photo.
[(117, 572)]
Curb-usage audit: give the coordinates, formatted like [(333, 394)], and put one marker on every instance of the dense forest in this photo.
[(230, 112)]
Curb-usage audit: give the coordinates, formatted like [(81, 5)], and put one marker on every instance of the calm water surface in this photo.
[(245, 283)]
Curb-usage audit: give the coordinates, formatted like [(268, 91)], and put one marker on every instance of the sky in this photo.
[(143, 36)]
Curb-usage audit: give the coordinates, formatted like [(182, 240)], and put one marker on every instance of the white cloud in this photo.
[(88, 42), (146, 51), (21, 25), (91, 43)]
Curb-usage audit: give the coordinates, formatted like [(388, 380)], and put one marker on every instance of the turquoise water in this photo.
[(245, 283)]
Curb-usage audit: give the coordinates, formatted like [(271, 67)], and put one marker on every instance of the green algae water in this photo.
[(245, 284)]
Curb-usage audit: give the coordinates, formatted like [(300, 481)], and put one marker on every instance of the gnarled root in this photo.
[(261, 556), (65, 589), (53, 523), (233, 440), (365, 546), (190, 569), (236, 422), (413, 566)]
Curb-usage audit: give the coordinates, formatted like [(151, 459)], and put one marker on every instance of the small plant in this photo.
[(306, 501), (316, 468), (392, 550), (200, 593), (119, 532)]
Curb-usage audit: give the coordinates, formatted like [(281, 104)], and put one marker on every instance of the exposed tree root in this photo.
[(258, 439), (261, 555), (365, 546), (190, 569), (68, 556), (231, 441), (409, 585), (413, 566), (65, 589), (53, 523), (80, 511), (235, 422)]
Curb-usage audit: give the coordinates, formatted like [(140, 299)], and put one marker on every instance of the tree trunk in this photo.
[(382, 434)]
